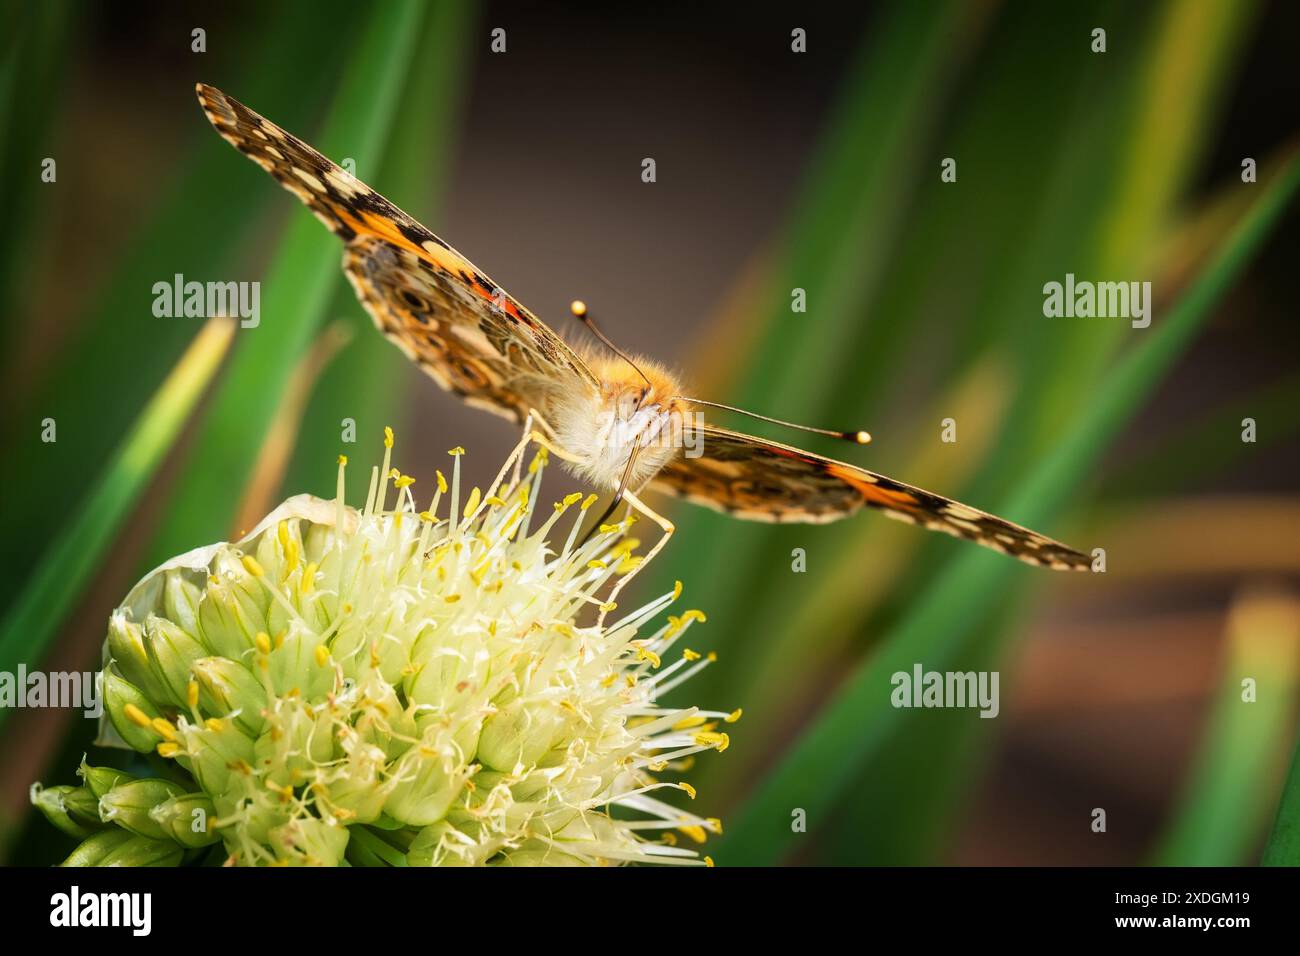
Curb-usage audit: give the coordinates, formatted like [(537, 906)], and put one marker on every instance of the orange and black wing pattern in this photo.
[(446, 315), (762, 480)]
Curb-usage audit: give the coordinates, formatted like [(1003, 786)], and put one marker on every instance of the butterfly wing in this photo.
[(446, 315), (762, 480)]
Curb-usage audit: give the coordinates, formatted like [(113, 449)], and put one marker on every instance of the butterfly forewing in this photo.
[(766, 481), (444, 313)]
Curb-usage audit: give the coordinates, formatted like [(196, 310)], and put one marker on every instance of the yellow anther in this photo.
[(495, 501), (322, 655), (610, 528), (168, 749), (472, 504), (669, 839), (192, 694), (629, 564), (282, 534), (164, 727), (442, 482), (279, 639), (695, 832), (456, 452), (645, 654), (263, 642), (565, 628), (308, 578), (425, 516), (403, 481), (589, 501), (708, 861), (572, 499), (136, 715), (677, 590), (734, 716), (451, 598), (715, 824), (214, 724), (690, 655), (609, 681), (690, 791), (686, 723), (711, 739), (595, 563), (713, 656), (388, 437), (693, 615), (343, 460), (251, 565), (609, 606)]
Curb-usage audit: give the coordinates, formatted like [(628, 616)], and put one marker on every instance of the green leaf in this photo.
[(367, 382), (859, 720), (1230, 792), (1283, 848), (198, 227), (296, 289), (81, 547)]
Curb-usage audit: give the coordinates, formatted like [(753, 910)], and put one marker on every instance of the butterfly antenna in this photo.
[(857, 437), (579, 310)]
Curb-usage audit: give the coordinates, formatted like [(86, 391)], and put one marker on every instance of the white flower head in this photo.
[(421, 683)]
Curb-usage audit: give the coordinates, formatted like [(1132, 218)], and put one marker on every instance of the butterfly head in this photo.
[(633, 409)]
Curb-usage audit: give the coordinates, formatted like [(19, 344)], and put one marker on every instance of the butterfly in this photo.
[(611, 418)]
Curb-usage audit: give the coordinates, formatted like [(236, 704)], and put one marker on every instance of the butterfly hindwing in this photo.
[(444, 313), (766, 481)]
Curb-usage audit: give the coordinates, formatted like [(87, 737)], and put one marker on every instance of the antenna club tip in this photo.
[(578, 308), (862, 438)]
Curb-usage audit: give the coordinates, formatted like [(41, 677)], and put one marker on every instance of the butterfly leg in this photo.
[(528, 436), (514, 458), (668, 530)]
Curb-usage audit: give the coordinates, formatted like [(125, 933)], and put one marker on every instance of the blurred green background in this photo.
[(776, 171)]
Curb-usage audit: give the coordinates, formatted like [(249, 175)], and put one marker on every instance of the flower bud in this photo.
[(130, 712), (187, 819), (126, 647), (141, 851), (171, 652), (218, 749), (100, 780), (226, 688), (428, 779), (523, 733), (309, 841), (181, 599), (72, 809), (294, 741), (295, 665), (128, 805), (94, 850), (229, 615), (536, 856)]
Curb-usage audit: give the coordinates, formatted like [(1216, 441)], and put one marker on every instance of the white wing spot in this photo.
[(309, 179)]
